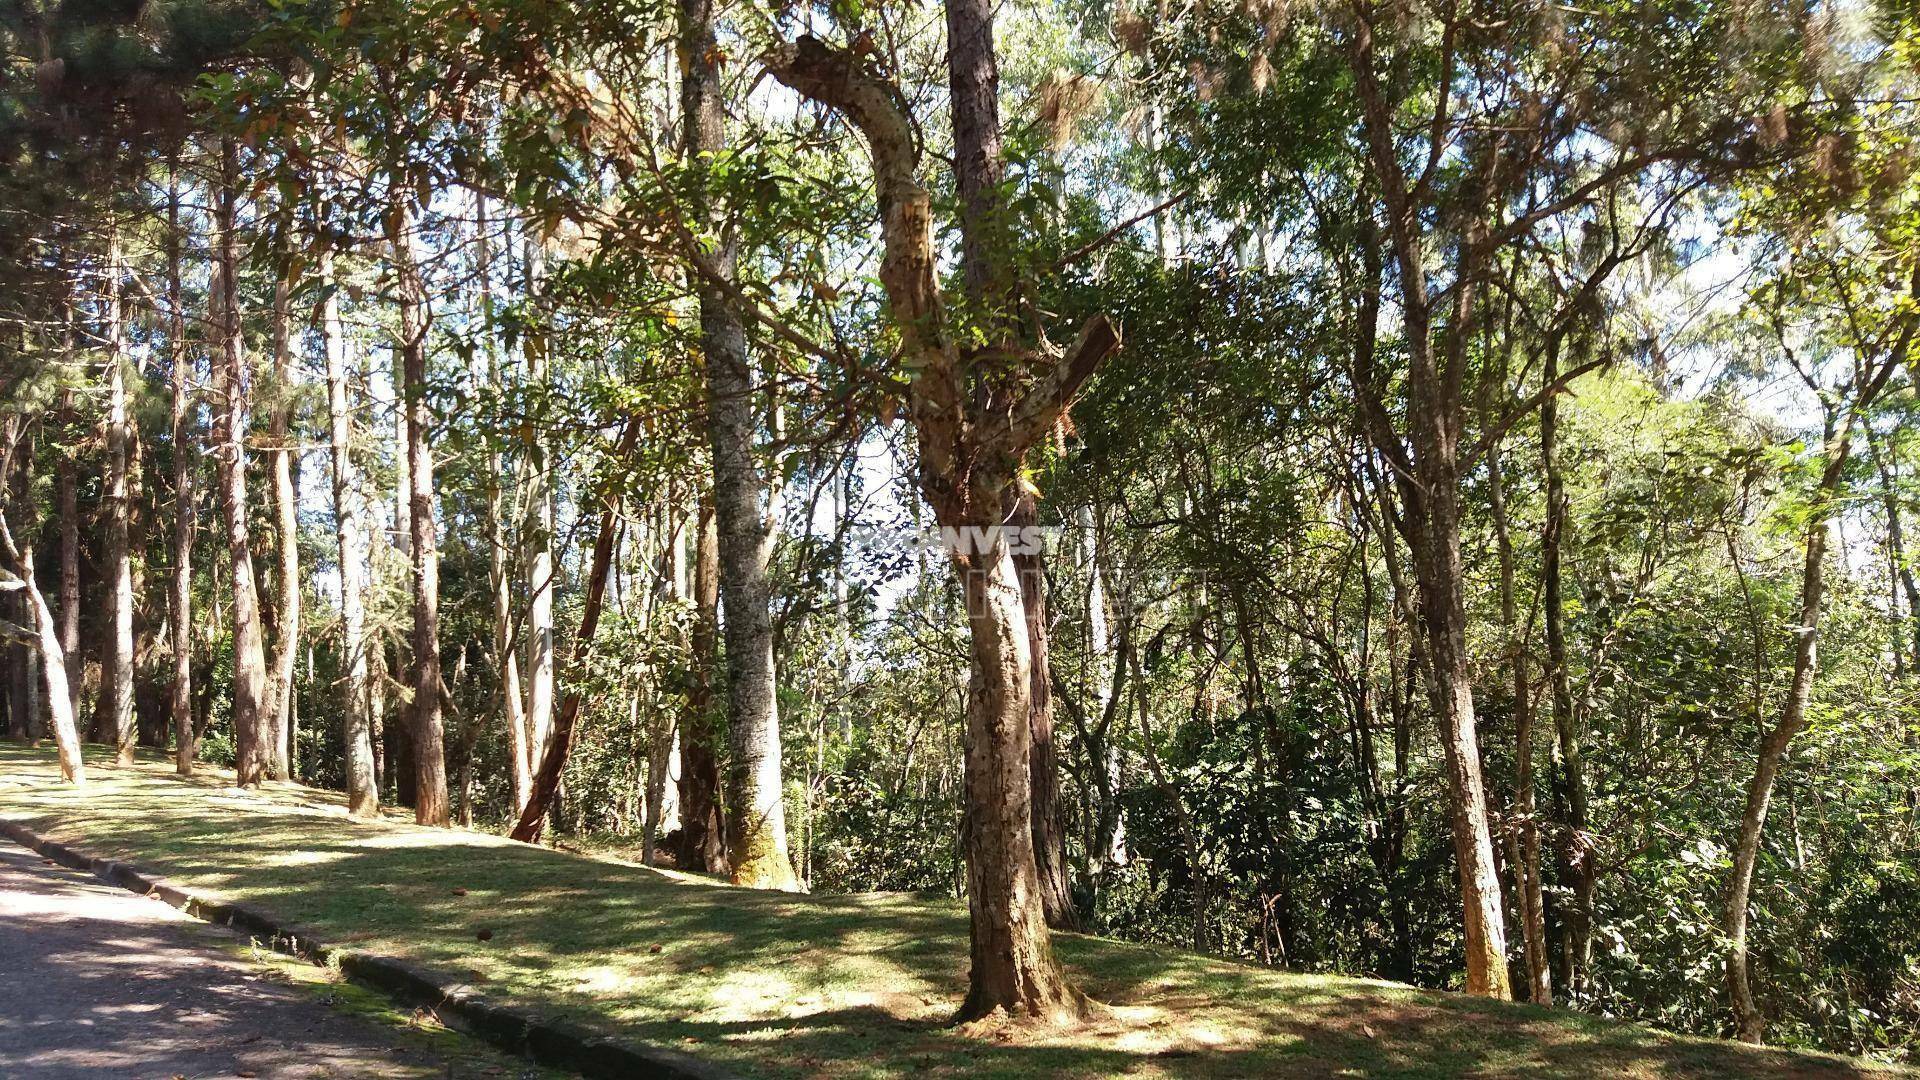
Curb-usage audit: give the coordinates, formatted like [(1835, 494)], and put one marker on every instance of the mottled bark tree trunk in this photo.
[(1427, 474), (539, 548), (363, 789), (180, 577), (116, 658), (286, 643), (756, 804), (67, 483), (500, 550), (967, 467), (703, 838), (1014, 968), (1049, 826), (251, 745), (974, 82), (430, 805)]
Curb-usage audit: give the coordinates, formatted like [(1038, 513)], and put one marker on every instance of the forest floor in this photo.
[(775, 985)]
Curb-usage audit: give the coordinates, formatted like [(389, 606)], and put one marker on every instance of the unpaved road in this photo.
[(96, 982)]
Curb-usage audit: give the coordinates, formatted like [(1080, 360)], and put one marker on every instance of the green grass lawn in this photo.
[(773, 985)]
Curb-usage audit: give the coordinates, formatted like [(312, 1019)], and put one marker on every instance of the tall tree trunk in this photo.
[(1576, 951), (1524, 842), (499, 551), (1013, 963), (967, 466), (180, 579), (703, 838), (539, 548), (974, 82), (1429, 482), (1896, 540), (66, 481), (1749, 1023), (429, 741), (363, 787), (251, 746), (1109, 847), (756, 804), (1049, 826), (116, 661), (286, 643), (53, 667), (1440, 578)]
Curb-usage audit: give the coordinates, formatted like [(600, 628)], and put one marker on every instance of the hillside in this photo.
[(772, 985)]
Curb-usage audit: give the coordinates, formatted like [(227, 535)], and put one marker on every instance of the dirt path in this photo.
[(97, 982)]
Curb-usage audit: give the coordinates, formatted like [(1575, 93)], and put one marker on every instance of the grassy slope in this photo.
[(786, 986)]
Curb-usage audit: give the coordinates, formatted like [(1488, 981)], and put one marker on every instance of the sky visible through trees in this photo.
[(1473, 444)]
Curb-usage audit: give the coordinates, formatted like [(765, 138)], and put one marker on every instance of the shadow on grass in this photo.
[(780, 985)]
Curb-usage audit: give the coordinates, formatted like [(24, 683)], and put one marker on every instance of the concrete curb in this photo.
[(547, 1042)]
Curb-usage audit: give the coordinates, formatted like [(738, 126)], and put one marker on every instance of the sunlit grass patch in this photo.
[(782, 986)]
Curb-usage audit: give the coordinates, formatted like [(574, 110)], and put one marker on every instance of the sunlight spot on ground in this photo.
[(749, 995), (300, 858)]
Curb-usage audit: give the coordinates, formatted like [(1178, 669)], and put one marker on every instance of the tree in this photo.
[(1875, 348), (703, 837), (53, 667), (252, 745), (967, 471), (180, 575), (363, 789), (286, 552), (756, 817), (539, 547), (430, 805), (117, 662)]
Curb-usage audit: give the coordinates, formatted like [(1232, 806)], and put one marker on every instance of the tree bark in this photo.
[(1896, 542), (756, 804), (430, 805), (67, 483), (1014, 968), (116, 660), (973, 77), (967, 466), (539, 540), (1049, 826), (286, 643), (53, 667), (1428, 481), (363, 789), (1524, 843), (500, 562), (180, 579), (251, 747), (1749, 1022), (703, 838)]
